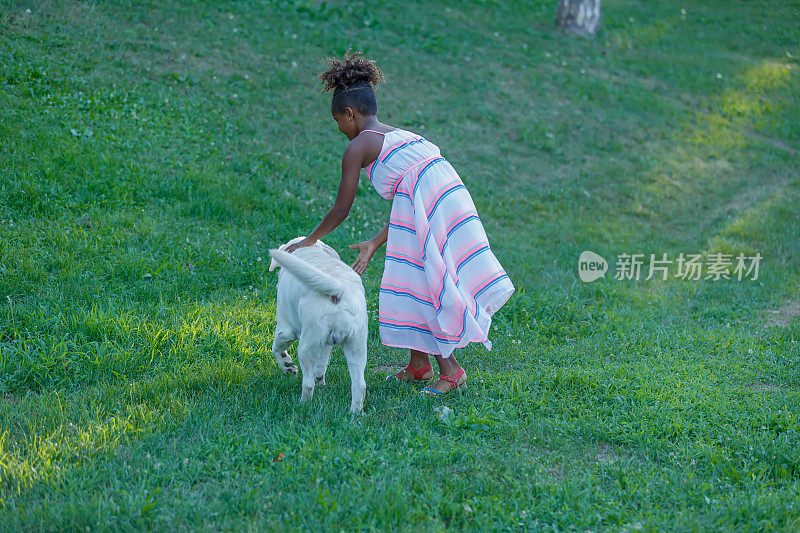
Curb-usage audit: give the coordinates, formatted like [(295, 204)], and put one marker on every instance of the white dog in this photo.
[(321, 302)]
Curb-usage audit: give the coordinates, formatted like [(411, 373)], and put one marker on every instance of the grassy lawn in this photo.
[(152, 152)]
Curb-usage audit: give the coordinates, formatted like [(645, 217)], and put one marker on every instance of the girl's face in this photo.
[(347, 123)]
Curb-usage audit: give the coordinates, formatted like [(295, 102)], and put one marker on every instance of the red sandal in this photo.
[(454, 384), (419, 375)]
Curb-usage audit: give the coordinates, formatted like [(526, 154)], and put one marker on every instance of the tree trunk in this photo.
[(581, 17)]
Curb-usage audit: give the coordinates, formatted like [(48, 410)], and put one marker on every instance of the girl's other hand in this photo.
[(305, 242), (365, 251)]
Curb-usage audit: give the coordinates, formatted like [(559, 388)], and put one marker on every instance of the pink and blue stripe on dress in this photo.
[(441, 282)]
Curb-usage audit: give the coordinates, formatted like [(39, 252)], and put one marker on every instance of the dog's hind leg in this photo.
[(283, 338), (355, 351), (308, 352)]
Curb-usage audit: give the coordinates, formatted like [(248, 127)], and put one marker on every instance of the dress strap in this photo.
[(373, 131)]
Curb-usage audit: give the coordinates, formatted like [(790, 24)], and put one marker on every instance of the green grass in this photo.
[(152, 152)]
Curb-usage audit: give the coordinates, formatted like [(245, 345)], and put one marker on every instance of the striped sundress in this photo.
[(441, 282)]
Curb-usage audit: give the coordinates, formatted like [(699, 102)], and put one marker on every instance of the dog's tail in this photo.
[(308, 274)]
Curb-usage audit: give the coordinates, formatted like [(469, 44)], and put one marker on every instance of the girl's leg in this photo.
[(449, 367), (418, 360)]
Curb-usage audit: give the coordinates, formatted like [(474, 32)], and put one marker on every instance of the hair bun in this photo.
[(353, 69)]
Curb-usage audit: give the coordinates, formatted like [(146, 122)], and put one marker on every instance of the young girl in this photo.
[(441, 282)]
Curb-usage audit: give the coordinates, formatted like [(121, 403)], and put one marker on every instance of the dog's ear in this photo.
[(330, 251)]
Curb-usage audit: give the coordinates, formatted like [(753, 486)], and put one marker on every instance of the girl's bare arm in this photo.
[(382, 235), (351, 167)]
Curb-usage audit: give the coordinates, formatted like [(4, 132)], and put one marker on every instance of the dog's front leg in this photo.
[(322, 365), (280, 343)]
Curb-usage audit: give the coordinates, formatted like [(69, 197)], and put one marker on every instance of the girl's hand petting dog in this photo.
[(305, 242), (366, 249)]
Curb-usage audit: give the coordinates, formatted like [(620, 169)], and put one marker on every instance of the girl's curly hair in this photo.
[(352, 80)]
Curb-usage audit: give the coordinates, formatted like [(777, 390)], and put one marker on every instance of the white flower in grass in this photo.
[(443, 413)]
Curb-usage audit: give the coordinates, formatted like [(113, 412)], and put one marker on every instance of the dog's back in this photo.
[(329, 294)]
